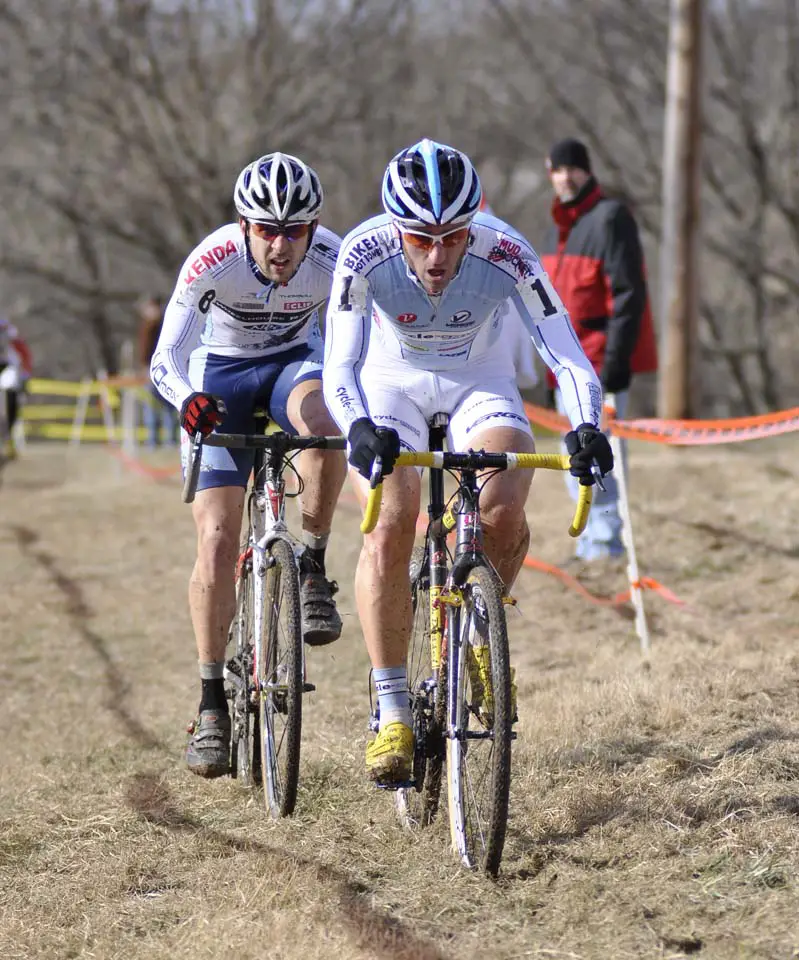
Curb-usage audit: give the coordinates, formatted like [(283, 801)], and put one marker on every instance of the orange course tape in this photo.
[(143, 469), (646, 583), (683, 432)]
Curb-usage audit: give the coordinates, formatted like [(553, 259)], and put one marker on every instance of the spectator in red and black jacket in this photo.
[(593, 256)]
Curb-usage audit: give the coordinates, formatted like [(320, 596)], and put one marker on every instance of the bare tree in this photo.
[(128, 121)]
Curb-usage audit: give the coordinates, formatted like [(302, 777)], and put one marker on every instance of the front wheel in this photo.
[(280, 680), (479, 717), (239, 670)]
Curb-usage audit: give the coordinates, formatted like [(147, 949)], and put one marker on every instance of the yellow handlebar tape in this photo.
[(372, 511), (584, 498), (546, 461)]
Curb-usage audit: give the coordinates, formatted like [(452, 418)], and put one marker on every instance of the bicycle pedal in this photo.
[(308, 687)]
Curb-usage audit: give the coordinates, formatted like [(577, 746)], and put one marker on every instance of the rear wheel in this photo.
[(479, 710), (280, 681), (418, 805)]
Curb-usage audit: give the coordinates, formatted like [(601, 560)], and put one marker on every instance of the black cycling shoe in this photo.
[(321, 623)]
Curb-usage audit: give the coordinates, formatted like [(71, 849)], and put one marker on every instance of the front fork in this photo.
[(464, 517), (267, 524)]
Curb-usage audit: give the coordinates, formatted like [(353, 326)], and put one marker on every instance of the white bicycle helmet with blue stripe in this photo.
[(431, 183), (278, 188)]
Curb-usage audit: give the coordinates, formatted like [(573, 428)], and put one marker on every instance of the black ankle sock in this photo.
[(213, 695), (313, 561)]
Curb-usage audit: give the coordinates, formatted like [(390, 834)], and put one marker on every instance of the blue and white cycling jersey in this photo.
[(380, 315), (225, 307)]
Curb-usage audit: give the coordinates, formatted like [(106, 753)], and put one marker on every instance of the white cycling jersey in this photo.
[(8, 332), (224, 303), (381, 317), (14, 360)]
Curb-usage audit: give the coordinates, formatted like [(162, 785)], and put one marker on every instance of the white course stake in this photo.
[(636, 593), (81, 409)]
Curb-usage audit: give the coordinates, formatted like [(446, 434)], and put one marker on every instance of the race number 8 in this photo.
[(207, 299)]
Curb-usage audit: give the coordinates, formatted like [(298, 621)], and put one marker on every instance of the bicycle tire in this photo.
[(418, 805), (242, 740), (280, 682), (479, 749)]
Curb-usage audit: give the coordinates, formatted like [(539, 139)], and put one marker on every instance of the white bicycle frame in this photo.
[(267, 524)]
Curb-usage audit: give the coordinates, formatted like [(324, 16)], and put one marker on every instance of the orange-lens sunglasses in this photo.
[(270, 231), (426, 241)]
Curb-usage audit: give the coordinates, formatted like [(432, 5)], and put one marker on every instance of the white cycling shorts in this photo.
[(476, 398)]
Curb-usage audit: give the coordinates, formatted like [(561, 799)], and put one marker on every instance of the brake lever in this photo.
[(377, 472), (596, 473)]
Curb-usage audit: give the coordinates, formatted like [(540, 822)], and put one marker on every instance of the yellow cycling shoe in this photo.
[(389, 757), (478, 663)]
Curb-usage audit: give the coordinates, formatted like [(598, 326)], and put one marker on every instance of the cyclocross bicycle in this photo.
[(459, 673), (265, 675)]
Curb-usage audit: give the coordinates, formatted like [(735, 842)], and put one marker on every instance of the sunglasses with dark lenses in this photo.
[(426, 241), (270, 231)]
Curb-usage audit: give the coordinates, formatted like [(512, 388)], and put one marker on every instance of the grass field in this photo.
[(655, 813)]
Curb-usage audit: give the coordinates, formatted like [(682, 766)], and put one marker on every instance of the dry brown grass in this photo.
[(655, 812)]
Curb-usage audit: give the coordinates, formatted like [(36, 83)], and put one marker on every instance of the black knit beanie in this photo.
[(569, 153)]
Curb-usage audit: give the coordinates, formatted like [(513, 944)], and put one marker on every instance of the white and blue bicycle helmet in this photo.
[(431, 183), (278, 188)]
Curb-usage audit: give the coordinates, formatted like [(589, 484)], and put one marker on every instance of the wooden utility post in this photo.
[(678, 394)]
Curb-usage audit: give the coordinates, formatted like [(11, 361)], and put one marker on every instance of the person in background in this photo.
[(157, 412), (15, 371), (592, 253)]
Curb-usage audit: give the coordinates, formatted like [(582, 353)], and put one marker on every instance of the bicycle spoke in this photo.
[(239, 689), (417, 806)]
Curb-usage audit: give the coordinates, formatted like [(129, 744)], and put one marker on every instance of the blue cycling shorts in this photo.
[(245, 383)]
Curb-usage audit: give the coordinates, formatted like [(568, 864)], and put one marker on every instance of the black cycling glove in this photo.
[(367, 442), (586, 444)]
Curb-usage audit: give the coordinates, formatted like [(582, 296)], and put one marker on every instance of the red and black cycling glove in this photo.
[(200, 413)]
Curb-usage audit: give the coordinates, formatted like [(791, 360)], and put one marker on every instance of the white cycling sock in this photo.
[(316, 541), (392, 695)]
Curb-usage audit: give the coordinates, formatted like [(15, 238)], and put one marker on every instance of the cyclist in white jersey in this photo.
[(414, 328), (242, 331)]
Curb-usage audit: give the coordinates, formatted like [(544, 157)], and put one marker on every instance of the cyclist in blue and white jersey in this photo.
[(240, 331), (414, 328)]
